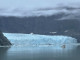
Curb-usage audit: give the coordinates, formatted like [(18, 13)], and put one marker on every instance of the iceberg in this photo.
[(36, 39)]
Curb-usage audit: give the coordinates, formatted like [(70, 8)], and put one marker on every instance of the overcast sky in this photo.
[(36, 3), (10, 5)]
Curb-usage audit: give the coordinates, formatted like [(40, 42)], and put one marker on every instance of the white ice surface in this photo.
[(35, 39)]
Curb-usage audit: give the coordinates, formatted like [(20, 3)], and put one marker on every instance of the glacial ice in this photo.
[(36, 39)]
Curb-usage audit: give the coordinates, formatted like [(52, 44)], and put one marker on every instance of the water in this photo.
[(23, 49), (39, 53)]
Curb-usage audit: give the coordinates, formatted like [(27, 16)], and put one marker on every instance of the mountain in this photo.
[(65, 22), (48, 25), (3, 40)]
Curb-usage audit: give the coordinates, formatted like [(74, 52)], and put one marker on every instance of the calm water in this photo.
[(40, 53), (38, 47)]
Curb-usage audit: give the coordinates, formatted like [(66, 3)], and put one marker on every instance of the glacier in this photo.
[(36, 39)]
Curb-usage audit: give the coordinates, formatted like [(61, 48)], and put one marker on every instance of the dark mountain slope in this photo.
[(3, 40), (41, 25), (37, 24)]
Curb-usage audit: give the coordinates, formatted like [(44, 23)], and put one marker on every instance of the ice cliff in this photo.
[(35, 39)]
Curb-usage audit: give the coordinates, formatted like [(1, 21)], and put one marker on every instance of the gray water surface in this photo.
[(39, 53)]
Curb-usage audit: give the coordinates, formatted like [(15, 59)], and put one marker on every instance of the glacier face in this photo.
[(35, 39)]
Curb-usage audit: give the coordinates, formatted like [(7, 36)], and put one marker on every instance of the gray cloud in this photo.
[(37, 7)]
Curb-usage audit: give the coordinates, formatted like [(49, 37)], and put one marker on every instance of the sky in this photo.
[(30, 4), (19, 7)]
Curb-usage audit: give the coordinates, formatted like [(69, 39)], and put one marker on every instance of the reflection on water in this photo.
[(3, 53), (40, 47), (70, 52)]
